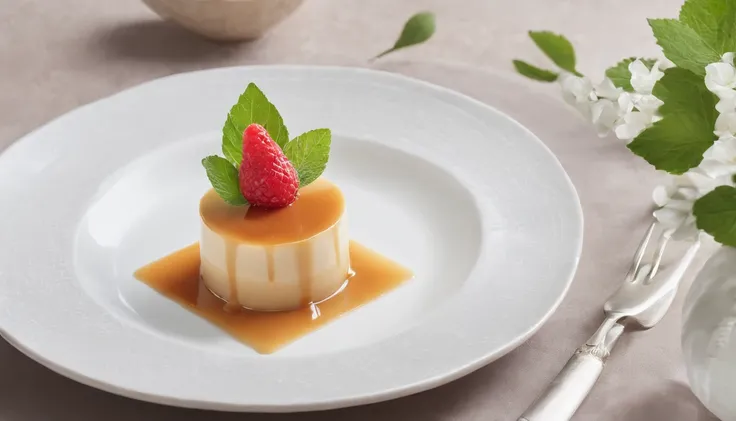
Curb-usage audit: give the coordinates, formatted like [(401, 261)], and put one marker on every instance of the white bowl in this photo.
[(226, 20)]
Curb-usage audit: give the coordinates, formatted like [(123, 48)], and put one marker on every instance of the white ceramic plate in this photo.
[(466, 197)]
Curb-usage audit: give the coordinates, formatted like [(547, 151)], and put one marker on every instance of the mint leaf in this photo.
[(224, 179), (309, 153), (715, 213), (683, 46), (557, 48), (677, 142), (252, 107), (620, 74), (533, 72), (417, 29), (713, 20)]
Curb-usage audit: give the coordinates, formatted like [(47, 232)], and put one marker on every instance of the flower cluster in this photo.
[(610, 108), (626, 114), (679, 116), (719, 161)]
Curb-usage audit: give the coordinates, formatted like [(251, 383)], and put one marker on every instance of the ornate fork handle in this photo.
[(642, 298), (575, 381)]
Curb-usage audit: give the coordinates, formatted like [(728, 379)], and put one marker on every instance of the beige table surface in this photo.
[(58, 54)]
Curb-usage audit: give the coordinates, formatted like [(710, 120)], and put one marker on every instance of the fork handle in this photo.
[(568, 390), (574, 382)]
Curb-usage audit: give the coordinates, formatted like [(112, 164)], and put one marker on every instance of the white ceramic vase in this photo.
[(225, 20), (709, 334)]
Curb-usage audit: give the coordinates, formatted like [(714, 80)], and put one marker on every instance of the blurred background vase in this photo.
[(709, 334), (225, 20)]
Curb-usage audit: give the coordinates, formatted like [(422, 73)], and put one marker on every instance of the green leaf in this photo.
[(715, 213), (713, 20), (252, 107), (685, 93), (417, 29), (683, 46), (533, 72), (620, 74), (557, 48), (668, 146), (677, 142), (224, 179), (309, 153)]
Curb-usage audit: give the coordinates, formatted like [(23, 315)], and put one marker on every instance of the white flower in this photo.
[(604, 115), (719, 161), (676, 203), (638, 113), (633, 124), (648, 104), (597, 104), (642, 78), (727, 58), (578, 92), (726, 125), (610, 108), (720, 78), (606, 89), (727, 101)]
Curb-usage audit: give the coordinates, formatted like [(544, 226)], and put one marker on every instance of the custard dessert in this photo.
[(276, 259)]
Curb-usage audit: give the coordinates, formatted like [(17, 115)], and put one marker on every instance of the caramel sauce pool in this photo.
[(177, 277)]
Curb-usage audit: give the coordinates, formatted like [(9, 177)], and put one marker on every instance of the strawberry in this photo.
[(267, 178)]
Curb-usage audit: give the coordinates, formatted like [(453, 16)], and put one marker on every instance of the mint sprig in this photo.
[(715, 214), (252, 107), (224, 179), (308, 152), (677, 142)]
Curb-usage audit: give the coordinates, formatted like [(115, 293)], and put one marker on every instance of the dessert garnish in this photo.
[(262, 167)]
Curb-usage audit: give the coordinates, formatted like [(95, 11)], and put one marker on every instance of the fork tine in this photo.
[(639, 255), (664, 239)]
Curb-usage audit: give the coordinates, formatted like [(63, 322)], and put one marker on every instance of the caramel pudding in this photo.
[(177, 277), (275, 259)]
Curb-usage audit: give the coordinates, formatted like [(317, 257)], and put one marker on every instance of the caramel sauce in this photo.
[(270, 265), (177, 277), (319, 205)]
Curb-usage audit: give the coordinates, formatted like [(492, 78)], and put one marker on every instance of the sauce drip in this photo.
[(177, 277), (304, 255), (230, 261), (270, 264)]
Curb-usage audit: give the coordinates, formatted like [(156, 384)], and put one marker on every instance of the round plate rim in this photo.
[(341, 402)]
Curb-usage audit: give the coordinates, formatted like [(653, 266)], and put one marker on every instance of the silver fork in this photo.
[(643, 299)]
